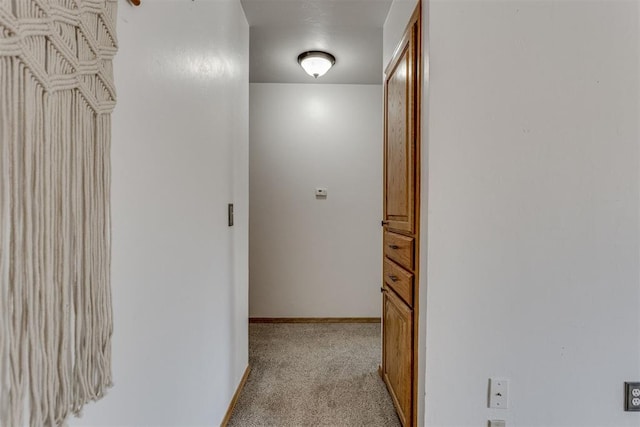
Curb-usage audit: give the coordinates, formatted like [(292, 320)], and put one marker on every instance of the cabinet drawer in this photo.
[(400, 280), (399, 248)]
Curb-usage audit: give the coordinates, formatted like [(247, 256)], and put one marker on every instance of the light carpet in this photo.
[(314, 375)]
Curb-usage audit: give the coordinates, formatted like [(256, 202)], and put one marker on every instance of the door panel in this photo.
[(399, 200), (397, 347)]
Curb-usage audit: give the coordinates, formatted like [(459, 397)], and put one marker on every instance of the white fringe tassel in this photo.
[(56, 97)]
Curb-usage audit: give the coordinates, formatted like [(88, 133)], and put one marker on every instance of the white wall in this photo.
[(180, 154), (311, 257), (533, 211)]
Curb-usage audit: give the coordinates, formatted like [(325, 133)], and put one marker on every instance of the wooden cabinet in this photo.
[(398, 354), (399, 280), (400, 137), (401, 226), (399, 248)]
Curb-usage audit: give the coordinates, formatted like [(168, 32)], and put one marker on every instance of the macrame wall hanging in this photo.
[(56, 97)]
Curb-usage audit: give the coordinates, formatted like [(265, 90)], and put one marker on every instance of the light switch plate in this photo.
[(230, 214), (321, 192), (498, 393)]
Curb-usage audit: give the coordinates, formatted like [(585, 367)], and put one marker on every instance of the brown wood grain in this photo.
[(399, 248), (398, 355), (399, 141), (400, 280)]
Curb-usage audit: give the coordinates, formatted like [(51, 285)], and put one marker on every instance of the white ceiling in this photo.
[(351, 30)]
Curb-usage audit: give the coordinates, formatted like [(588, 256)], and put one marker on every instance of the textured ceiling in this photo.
[(351, 30)]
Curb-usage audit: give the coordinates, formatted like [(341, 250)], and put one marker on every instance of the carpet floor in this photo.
[(314, 375)]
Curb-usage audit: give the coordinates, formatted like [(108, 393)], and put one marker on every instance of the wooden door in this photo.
[(400, 224), (400, 138), (398, 354)]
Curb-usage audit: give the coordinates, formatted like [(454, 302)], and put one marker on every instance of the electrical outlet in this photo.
[(632, 396)]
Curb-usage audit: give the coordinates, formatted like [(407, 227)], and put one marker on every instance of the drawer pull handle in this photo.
[(394, 246), (393, 278)]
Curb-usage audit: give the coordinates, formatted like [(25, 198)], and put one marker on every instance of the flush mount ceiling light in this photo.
[(316, 63)]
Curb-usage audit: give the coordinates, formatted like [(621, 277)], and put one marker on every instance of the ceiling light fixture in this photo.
[(316, 63)]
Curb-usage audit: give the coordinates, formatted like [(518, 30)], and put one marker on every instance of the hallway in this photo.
[(531, 205), (314, 374)]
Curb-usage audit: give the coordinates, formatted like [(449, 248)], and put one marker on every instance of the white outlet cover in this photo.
[(498, 393), (632, 396)]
